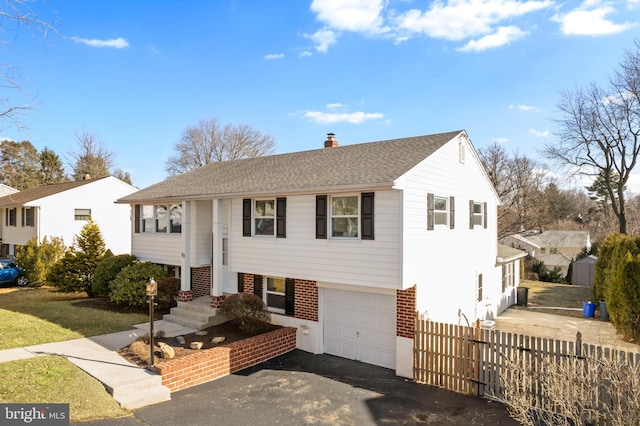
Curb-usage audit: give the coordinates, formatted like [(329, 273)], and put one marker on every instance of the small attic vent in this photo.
[(461, 152)]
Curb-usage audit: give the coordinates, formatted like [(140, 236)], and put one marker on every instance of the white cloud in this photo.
[(336, 105), (590, 20), (539, 133), (489, 22), (322, 39), (354, 15), (117, 43), (500, 140), (274, 56), (522, 107), (351, 117), (502, 37), (304, 54)]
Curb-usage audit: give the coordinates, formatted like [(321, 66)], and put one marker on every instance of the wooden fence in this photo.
[(477, 361)]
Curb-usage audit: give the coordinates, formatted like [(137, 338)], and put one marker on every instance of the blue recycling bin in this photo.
[(588, 309)]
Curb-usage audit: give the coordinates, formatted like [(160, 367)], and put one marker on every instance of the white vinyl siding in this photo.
[(373, 263)]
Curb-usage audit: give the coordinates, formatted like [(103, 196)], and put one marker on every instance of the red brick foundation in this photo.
[(216, 301), (205, 365), (406, 312), (201, 281), (185, 296)]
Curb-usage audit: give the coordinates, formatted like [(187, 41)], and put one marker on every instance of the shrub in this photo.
[(37, 259), (611, 254), (623, 298), (130, 285), (168, 289), (74, 272), (107, 270), (247, 311)]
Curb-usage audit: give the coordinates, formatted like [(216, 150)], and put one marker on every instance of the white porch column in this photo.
[(216, 249), (185, 263)]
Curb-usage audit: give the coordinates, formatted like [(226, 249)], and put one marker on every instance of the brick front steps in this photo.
[(208, 364)]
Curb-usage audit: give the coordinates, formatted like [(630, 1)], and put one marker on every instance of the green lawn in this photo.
[(31, 316)]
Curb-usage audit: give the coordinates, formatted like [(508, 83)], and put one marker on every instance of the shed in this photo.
[(584, 271)]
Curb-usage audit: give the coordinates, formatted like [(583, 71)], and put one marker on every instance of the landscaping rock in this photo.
[(218, 339), (201, 333), (167, 351), (180, 340), (196, 345)]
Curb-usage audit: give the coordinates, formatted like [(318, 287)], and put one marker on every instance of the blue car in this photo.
[(12, 273)]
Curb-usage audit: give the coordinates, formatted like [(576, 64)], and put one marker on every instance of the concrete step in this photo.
[(186, 322), (132, 401), (185, 312)]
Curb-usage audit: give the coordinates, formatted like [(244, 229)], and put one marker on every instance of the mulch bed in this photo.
[(139, 352)]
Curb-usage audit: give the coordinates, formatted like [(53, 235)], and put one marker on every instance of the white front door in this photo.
[(360, 326)]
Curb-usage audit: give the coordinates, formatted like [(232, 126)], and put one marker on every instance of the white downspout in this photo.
[(216, 256), (185, 263)]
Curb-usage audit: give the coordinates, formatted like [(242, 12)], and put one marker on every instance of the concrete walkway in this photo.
[(551, 326), (133, 387)]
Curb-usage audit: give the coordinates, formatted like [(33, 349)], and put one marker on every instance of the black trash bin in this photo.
[(522, 296)]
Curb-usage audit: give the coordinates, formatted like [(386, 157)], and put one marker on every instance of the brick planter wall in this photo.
[(208, 364)]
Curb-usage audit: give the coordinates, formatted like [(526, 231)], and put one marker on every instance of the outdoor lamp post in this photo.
[(152, 291)]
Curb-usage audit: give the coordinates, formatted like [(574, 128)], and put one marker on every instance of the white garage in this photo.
[(360, 326)]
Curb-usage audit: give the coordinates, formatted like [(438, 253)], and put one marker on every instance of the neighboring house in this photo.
[(344, 243), (61, 210), (555, 248), (5, 190), (584, 270)]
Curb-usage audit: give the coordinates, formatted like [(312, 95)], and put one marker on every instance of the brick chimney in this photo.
[(331, 142)]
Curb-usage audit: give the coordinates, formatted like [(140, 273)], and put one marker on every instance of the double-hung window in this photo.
[(477, 213), (28, 216), (345, 216), (82, 214), (175, 218), (440, 210), (275, 294), (147, 219), (10, 219), (264, 217), (162, 219)]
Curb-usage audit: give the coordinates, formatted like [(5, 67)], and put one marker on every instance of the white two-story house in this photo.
[(345, 243), (61, 210)]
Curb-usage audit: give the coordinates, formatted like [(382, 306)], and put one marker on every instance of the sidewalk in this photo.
[(133, 387)]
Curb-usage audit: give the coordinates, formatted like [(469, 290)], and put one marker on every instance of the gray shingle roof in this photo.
[(22, 197), (366, 164)]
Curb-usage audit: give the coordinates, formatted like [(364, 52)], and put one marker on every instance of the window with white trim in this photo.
[(507, 276), (441, 210), (264, 217), (10, 218), (175, 218), (28, 216), (275, 294), (161, 219), (344, 216), (82, 214), (478, 213)]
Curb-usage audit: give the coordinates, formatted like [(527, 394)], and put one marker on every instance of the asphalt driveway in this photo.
[(299, 388)]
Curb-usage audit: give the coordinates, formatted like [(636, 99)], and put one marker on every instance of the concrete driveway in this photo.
[(299, 388)]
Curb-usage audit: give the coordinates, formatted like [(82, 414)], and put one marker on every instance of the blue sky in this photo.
[(136, 73)]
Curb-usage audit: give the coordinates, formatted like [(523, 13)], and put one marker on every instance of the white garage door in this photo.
[(360, 326)]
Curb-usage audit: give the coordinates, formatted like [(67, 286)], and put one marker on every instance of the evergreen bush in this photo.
[(36, 259), (107, 270), (130, 285), (623, 298)]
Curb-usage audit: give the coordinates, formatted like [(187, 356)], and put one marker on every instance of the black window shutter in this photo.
[(136, 218), (452, 212), (6, 217), (240, 282), (24, 214), (366, 205), (257, 285), (281, 217), (289, 296), (470, 214), (430, 209), (484, 212), (321, 216), (246, 217)]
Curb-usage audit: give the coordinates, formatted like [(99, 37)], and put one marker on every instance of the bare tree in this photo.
[(14, 15), (600, 131), (208, 142), (519, 183), (91, 158)]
